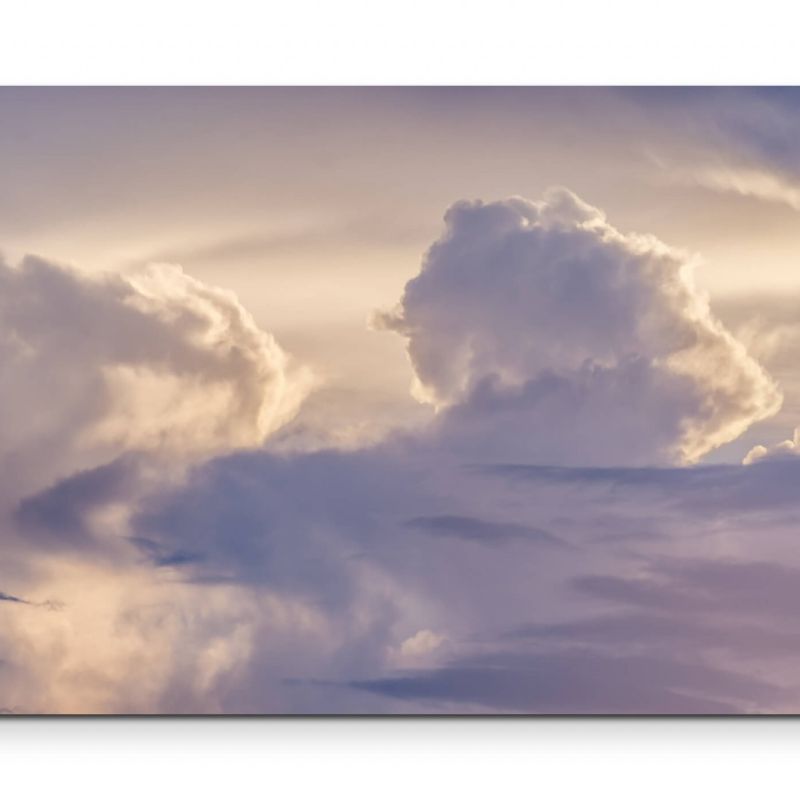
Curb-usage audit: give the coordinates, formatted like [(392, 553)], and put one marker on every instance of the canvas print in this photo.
[(399, 400)]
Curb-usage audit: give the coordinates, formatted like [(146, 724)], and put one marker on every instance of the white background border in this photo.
[(360, 42), (412, 42), (398, 758)]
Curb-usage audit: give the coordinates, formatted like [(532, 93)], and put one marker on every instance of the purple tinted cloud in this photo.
[(535, 548)]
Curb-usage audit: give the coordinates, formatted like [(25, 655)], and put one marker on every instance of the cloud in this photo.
[(111, 386), (59, 513), (10, 598), (712, 491), (502, 557), (744, 588), (481, 531), (789, 448), (538, 323), (739, 140), (421, 643), (92, 367), (328, 529), (752, 182), (663, 631), (577, 682), (294, 583)]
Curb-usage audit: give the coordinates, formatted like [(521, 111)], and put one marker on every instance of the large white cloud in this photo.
[(91, 367), (561, 339), (109, 386)]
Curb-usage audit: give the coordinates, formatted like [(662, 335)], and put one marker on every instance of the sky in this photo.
[(399, 400)]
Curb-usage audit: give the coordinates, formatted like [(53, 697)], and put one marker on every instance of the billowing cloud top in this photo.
[(91, 367), (550, 335), (789, 448)]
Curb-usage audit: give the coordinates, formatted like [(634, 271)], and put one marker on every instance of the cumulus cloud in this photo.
[(789, 448), (92, 367), (539, 325), (112, 385), (514, 555)]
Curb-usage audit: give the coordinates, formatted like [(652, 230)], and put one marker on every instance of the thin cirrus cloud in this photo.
[(521, 538), (750, 182)]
